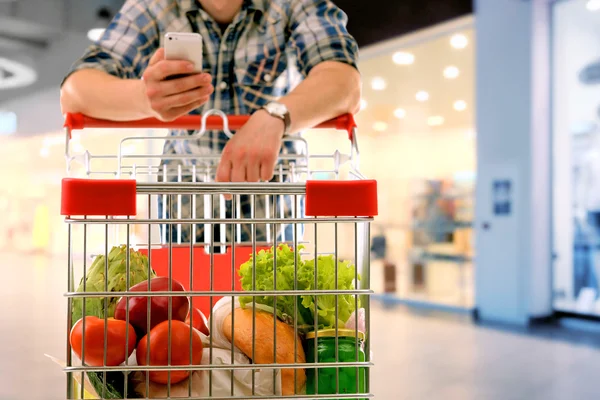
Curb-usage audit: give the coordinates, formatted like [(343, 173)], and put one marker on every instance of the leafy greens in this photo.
[(308, 308)]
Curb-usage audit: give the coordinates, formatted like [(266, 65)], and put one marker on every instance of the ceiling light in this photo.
[(403, 58), (363, 104), (459, 41), (422, 96), (95, 34), (460, 105), (44, 152), (380, 126), (399, 113), (593, 5), (451, 72), (435, 121), (19, 74), (378, 83)]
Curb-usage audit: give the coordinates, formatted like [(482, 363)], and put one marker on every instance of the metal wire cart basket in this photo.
[(236, 290)]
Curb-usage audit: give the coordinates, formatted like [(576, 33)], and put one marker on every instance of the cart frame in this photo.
[(91, 204)]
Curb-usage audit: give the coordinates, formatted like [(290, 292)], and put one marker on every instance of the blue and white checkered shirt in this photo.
[(267, 50)]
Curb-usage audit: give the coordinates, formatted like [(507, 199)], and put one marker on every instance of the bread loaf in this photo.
[(263, 342)]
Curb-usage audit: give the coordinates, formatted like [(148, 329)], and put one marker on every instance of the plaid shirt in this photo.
[(267, 50)]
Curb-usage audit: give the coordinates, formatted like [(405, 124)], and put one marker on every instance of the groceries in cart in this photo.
[(260, 318), (167, 330)]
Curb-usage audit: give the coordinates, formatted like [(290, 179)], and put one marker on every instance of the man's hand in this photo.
[(251, 154), (169, 99)]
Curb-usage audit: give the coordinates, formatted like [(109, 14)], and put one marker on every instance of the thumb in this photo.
[(158, 55)]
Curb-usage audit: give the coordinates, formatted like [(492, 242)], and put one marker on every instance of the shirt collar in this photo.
[(259, 5), (187, 5), (191, 5)]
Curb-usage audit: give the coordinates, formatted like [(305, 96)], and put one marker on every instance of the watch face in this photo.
[(277, 109)]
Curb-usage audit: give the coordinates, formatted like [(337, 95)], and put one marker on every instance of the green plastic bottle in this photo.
[(321, 345)]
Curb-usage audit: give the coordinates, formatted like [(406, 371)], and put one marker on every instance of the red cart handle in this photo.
[(79, 121)]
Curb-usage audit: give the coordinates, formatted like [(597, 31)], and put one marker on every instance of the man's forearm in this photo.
[(100, 95), (330, 90)]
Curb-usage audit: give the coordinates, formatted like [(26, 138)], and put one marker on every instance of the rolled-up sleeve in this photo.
[(125, 47), (318, 33)]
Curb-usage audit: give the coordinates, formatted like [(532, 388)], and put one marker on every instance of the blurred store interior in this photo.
[(419, 138), (418, 105)]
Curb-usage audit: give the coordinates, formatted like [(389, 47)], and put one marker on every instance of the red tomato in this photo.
[(116, 350), (180, 350), (159, 305), (199, 321)]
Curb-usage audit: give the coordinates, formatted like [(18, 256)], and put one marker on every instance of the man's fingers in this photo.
[(184, 110), (165, 68), (158, 55), (224, 173), (181, 85), (182, 99), (238, 172), (253, 172), (224, 170), (267, 166), (266, 172)]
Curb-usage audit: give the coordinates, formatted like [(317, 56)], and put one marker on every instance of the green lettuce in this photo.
[(308, 308), (116, 282)]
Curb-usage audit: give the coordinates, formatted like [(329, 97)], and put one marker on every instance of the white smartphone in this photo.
[(184, 46)]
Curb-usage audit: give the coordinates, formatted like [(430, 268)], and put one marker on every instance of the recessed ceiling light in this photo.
[(363, 104), (459, 41), (593, 5), (435, 121), (380, 126), (403, 58), (399, 113), (451, 72), (44, 152), (422, 96), (20, 75), (460, 105), (378, 83), (95, 34)]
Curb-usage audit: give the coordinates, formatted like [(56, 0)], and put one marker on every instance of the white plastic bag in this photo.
[(221, 378), (351, 324)]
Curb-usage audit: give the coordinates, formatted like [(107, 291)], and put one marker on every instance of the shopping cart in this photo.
[(286, 319)]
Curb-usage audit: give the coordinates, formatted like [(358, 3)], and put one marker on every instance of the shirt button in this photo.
[(268, 78), (223, 85)]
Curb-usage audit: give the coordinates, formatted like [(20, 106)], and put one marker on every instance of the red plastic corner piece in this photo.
[(341, 198), (348, 124), (74, 121), (98, 197)]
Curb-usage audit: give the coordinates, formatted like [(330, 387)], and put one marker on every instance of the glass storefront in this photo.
[(418, 141), (576, 155)]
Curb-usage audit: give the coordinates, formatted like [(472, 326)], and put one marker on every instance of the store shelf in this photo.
[(432, 248)]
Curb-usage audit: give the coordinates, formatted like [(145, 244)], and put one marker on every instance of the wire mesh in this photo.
[(282, 298)]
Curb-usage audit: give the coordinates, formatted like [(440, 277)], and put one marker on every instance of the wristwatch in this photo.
[(279, 110)]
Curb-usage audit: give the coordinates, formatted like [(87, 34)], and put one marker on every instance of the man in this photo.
[(253, 51)]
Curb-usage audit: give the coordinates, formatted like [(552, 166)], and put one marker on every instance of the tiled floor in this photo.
[(417, 356)]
